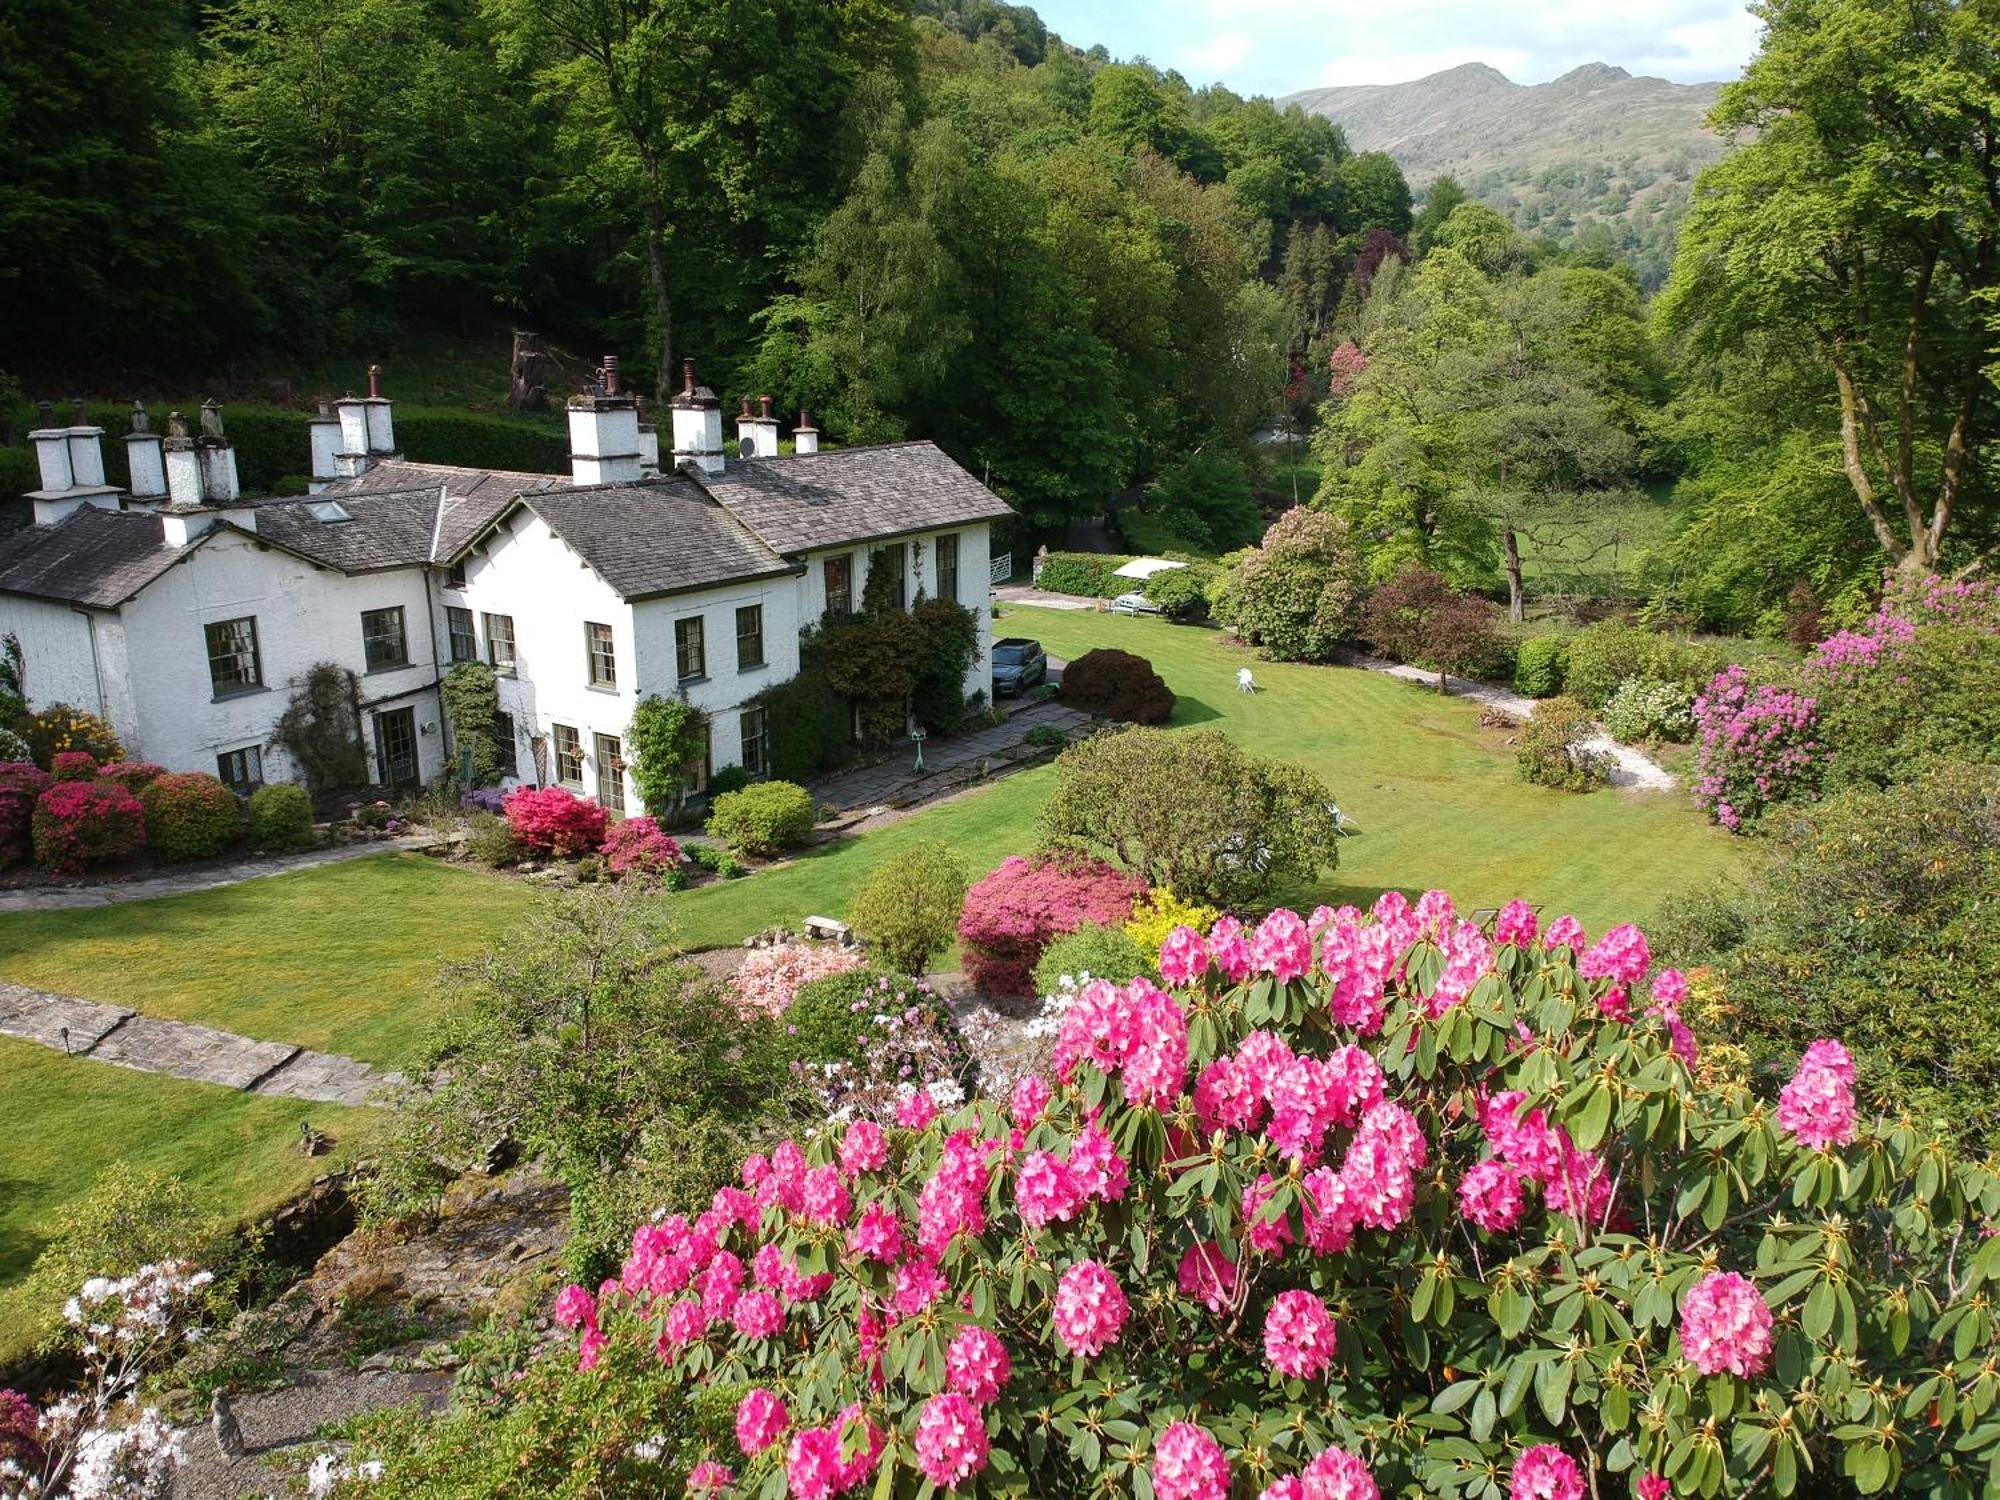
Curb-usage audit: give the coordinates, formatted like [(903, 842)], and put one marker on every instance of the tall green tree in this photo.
[(1856, 229)]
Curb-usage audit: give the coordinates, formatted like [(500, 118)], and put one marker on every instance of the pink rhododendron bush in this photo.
[(1403, 1203)]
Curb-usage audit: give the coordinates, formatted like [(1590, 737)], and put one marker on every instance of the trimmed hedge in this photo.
[(190, 815), (763, 818), (1097, 950), (1086, 573), (281, 818)]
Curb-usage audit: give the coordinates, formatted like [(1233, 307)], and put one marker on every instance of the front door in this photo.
[(396, 748)]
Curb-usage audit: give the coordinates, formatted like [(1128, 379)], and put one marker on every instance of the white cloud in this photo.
[(1219, 55)]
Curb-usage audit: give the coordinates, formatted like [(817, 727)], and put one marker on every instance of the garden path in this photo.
[(114, 1034), (213, 877), (896, 783)]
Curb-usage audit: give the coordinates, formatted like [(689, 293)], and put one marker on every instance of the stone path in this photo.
[(181, 1049), (1021, 593), (947, 762), (63, 898)]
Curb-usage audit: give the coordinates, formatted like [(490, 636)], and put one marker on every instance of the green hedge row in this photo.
[(273, 447), (1086, 573)]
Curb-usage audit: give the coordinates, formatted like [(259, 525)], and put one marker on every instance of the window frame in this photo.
[(845, 563), (255, 683), (493, 637), (896, 555), (938, 549), (601, 660), (574, 753), (700, 638), (454, 575), (255, 762), (756, 611), (610, 772), (402, 639), (463, 644), (761, 738), (506, 747)]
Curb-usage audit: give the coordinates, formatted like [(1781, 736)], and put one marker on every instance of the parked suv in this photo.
[(1018, 664)]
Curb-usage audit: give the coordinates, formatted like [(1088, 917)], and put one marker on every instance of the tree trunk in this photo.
[(528, 372), (663, 306), (1516, 605)]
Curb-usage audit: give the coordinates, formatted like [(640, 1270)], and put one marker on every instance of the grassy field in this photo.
[(328, 958), (63, 1120)]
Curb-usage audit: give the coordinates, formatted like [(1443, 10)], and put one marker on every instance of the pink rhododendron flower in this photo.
[(812, 1464), (1545, 1472), (976, 1364), (1226, 1096), (864, 1148), (575, 1307), (1615, 1004), (1524, 1140), (709, 1478), (1378, 1182), (761, 1419), (1030, 1097), (686, 1322), (1183, 957), (1468, 958), (758, 1315), (1229, 949), (1817, 1106), (1621, 955), (1564, 932), (1725, 1325), (1265, 1236), (1435, 914), (1096, 1165), (719, 1284), (918, 1285), (1208, 1276), (1516, 925), (1045, 1189), (864, 1438), (951, 1440), (1359, 961), (1090, 1309), (877, 1235), (1336, 1474), (1188, 1464), (823, 1197), (1283, 946), (1328, 1212), (1137, 1031), (916, 1111), (590, 1348), (1653, 1487), (1670, 988), (1298, 1335), (1490, 1196)]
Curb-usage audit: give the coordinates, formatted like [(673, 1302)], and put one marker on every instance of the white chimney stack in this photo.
[(697, 418), (649, 444), (201, 471), (757, 432), (805, 436), (324, 433), (145, 460), (71, 461), (604, 431), (367, 429)]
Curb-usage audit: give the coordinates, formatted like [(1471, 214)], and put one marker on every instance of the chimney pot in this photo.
[(211, 419), (78, 417), (375, 382), (177, 425), (610, 374), (745, 413), (687, 376), (764, 407), (140, 421), (48, 413)]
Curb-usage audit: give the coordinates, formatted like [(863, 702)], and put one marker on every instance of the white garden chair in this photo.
[(1245, 683)]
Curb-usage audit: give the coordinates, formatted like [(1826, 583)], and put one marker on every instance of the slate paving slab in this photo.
[(328, 1079), (38, 1016), (199, 1053)]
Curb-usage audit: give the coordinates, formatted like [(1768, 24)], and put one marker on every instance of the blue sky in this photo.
[(1277, 46)]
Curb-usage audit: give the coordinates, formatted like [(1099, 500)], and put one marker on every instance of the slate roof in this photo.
[(93, 557), (660, 536), (849, 495)]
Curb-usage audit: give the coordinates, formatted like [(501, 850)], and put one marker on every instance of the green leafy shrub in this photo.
[(1193, 810), (716, 859), (1603, 655), (320, 728), (133, 775), (908, 906), (81, 823), (1117, 685), (59, 728), (1933, 697), (828, 1016), (808, 728), (763, 818), (1094, 949), (728, 779), (665, 740), (1203, 502), (1539, 665), (1552, 749), (1646, 710), (13, 749), (1046, 737), (490, 841), (471, 694), (281, 818), (947, 643), (1877, 914), (1181, 593), (190, 815), (1298, 595), (1086, 573)]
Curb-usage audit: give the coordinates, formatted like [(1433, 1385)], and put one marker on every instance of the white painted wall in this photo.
[(56, 655), (305, 615), (728, 687)]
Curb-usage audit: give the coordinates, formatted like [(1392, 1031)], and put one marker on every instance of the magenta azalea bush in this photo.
[(1012, 915), (1909, 604), (1760, 745), (638, 846), (550, 820), (1390, 1204)]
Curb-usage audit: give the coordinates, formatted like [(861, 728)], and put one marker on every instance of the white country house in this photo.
[(186, 614)]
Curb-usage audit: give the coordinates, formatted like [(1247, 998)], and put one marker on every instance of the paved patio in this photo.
[(948, 764), (180, 1049)]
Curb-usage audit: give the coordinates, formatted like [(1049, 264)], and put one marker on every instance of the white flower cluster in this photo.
[(328, 1474)]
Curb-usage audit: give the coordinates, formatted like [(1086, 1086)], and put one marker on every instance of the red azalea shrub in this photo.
[(1014, 913), (190, 815), (21, 786), (1364, 1206), (550, 820), (81, 823), (131, 774), (638, 846), (73, 765)]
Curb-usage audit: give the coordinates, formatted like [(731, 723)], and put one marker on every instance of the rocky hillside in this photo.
[(1596, 154)]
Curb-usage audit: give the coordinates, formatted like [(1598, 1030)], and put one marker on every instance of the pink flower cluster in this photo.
[(1188, 1464), (814, 1468), (770, 978), (976, 1365), (1090, 1309), (1298, 1335), (953, 1201), (1817, 1106), (951, 1440), (1759, 745), (1545, 1472), (1516, 925), (1527, 1149), (1725, 1325), (1334, 1474), (1137, 1031), (1908, 604)]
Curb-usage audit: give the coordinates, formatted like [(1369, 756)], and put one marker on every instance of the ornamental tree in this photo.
[(1362, 1205)]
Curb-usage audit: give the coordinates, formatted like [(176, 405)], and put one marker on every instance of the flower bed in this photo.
[(1363, 1205)]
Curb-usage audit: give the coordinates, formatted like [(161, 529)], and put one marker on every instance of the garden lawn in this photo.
[(64, 1120), (1435, 796), (338, 957)]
